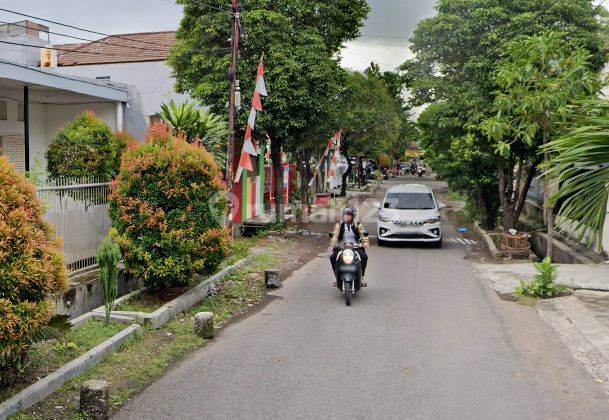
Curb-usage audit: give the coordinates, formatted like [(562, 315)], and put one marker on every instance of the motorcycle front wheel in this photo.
[(348, 293)]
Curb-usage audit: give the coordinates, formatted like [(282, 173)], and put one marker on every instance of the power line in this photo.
[(83, 29), (98, 41)]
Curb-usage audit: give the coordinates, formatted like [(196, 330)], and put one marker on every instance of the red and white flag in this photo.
[(248, 146)]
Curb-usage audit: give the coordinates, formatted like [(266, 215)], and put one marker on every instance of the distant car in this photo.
[(410, 213)]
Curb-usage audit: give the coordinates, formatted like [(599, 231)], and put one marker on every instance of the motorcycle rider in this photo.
[(349, 230)]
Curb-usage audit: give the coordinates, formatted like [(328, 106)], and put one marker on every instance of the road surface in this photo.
[(426, 340)]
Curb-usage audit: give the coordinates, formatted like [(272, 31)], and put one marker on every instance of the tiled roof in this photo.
[(122, 48)]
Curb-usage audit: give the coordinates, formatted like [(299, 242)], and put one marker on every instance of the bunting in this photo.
[(249, 149)]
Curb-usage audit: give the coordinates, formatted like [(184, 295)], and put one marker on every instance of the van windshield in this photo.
[(410, 201)]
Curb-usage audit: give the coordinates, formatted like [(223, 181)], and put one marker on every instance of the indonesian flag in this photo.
[(248, 146)]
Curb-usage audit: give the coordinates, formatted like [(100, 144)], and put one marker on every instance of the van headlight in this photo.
[(384, 218), (432, 221), (348, 256)]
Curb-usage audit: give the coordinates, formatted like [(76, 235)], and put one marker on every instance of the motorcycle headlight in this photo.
[(384, 218), (348, 256), (432, 221)]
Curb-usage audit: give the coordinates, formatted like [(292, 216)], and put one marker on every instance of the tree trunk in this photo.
[(502, 194), (525, 188), (278, 176), (304, 190), (549, 210), (361, 175), (343, 188)]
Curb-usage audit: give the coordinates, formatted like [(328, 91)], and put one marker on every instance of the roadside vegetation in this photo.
[(49, 355), (497, 85), (145, 359), (32, 269), (543, 285)]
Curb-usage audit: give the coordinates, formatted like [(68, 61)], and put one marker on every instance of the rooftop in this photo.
[(121, 48)]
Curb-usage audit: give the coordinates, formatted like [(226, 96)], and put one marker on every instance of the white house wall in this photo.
[(152, 79), (46, 120)]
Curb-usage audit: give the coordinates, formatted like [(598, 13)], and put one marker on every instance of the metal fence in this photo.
[(78, 209)]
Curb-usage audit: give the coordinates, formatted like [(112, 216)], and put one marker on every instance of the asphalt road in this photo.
[(426, 340)]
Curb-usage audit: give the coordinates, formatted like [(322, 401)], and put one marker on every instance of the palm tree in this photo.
[(198, 125), (581, 165)]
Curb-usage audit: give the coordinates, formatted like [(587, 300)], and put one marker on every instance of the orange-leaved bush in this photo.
[(167, 206), (32, 268)]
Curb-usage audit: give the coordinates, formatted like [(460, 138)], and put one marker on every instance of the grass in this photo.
[(150, 301), (144, 359), (51, 355), (455, 196)]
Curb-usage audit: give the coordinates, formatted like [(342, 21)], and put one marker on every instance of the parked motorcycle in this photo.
[(349, 270)]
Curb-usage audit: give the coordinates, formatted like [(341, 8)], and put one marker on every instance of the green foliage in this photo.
[(108, 257), (538, 78), (32, 268), (457, 54), (543, 285), (54, 329), (299, 39), (85, 147), (167, 206), (198, 125), (370, 115), (580, 164)]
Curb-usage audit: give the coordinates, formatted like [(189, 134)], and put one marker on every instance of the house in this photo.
[(36, 102), (138, 60)]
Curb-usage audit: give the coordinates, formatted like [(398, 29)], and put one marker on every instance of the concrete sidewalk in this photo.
[(580, 320), (504, 278)]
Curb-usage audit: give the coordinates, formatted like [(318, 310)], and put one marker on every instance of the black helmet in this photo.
[(351, 211)]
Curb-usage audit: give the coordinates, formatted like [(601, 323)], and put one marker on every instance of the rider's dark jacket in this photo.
[(339, 233)]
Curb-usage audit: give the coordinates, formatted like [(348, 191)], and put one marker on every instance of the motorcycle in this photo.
[(349, 269)]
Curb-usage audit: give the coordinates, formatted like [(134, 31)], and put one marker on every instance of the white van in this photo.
[(410, 213)]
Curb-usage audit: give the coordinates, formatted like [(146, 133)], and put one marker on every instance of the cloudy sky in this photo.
[(384, 37)]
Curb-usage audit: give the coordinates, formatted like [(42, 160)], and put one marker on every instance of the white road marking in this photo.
[(462, 241)]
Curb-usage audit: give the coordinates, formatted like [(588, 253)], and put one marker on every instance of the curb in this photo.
[(490, 244), (161, 316), (52, 382)]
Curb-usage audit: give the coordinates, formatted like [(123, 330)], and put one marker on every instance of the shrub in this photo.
[(108, 257), (543, 285), (162, 212), (85, 147), (31, 268)]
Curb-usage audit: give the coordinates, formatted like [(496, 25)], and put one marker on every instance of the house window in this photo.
[(21, 112), (14, 148), (3, 111), (156, 118)]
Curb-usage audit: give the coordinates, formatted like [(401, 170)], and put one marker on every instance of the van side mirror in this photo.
[(441, 206)]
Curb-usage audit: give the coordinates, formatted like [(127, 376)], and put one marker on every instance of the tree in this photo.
[(299, 38), (370, 118), (579, 164), (456, 57), (539, 77)]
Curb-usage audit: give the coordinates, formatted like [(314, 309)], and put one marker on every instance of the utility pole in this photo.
[(232, 111)]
